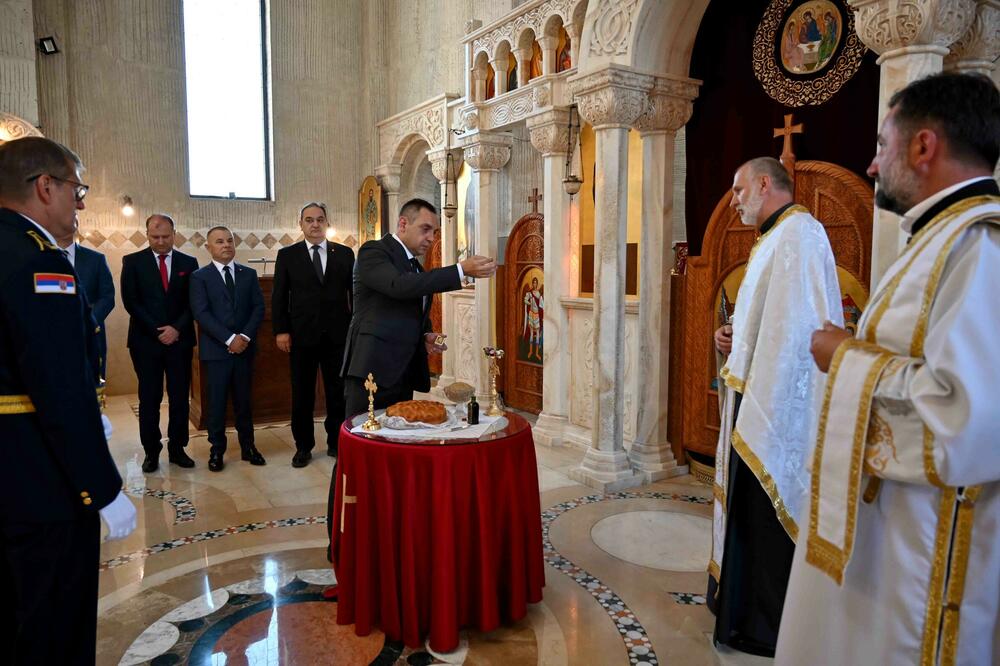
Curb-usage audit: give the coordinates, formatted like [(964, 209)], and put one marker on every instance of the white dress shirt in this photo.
[(170, 261), (322, 252), (70, 252)]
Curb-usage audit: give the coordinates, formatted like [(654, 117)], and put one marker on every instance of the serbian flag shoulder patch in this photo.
[(55, 283)]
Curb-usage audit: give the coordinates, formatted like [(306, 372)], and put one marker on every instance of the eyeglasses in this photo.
[(79, 189)]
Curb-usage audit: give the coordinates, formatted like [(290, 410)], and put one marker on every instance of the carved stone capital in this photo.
[(889, 25), (976, 50), (669, 105), (487, 152), (611, 97), (439, 163), (12, 127), (550, 132), (388, 176)]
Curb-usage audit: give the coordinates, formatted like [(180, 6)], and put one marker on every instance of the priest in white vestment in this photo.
[(900, 563), (770, 401)]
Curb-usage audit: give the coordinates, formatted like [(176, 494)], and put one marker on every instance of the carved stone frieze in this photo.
[(511, 108), (612, 97), (428, 121), (512, 26), (12, 127), (468, 360), (550, 131), (669, 105), (388, 176), (887, 25), (612, 26), (977, 49)]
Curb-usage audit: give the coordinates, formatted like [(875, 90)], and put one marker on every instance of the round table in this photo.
[(430, 537)]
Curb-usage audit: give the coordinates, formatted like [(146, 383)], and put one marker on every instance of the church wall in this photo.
[(116, 95), (18, 88)]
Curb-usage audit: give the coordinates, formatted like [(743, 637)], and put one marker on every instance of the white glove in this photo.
[(119, 516), (107, 427)]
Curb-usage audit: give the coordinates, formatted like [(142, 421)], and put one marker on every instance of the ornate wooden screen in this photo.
[(522, 334), (837, 197)]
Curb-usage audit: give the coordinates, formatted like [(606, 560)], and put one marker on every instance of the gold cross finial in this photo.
[(370, 384)]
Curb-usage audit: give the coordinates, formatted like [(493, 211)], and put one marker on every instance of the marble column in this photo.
[(548, 44), (550, 136), (911, 39), (575, 31), (486, 153), (667, 110), (611, 100), (388, 178), (18, 78), (500, 74), (523, 56), (439, 166), (978, 48)]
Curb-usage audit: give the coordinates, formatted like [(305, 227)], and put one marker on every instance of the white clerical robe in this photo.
[(901, 563), (789, 289)]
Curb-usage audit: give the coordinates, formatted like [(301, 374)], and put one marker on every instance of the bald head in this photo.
[(760, 187)]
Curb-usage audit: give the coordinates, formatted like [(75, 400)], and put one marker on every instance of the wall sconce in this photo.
[(449, 206), (48, 46), (128, 210), (572, 183)]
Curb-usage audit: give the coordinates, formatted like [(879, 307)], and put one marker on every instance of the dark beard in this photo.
[(885, 201)]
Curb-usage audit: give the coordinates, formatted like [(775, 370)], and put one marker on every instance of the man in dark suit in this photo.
[(311, 310), (58, 475), (154, 286), (92, 268), (228, 305), (390, 334)]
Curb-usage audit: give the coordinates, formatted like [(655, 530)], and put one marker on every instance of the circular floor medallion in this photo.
[(670, 541)]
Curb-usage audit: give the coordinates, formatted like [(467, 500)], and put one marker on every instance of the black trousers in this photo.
[(49, 572), (174, 363), (304, 362), (232, 376)]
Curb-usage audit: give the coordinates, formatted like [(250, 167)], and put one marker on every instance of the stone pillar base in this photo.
[(655, 461), (549, 430), (606, 471)]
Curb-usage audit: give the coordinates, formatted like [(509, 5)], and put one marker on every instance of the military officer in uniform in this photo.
[(58, 479)]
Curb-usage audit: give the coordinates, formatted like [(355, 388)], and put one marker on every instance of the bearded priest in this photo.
[(770, 400), (900, 560)]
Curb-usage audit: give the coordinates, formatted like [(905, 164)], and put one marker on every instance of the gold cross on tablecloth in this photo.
[(345, 500)]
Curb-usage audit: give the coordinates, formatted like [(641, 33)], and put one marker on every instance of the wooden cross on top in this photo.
[(534, 199), (787, 155)]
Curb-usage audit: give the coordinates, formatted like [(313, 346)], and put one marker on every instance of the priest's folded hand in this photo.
[(119, 516), (824, 344)]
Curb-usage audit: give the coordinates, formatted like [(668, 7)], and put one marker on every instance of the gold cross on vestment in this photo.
[(787, 131), (345, 500), (534, 199)]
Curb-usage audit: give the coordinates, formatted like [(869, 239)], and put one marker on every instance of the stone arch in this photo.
[(416, 179), (481, 71), (405, 146)]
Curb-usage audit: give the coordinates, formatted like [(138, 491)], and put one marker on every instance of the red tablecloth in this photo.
[(433, 538)]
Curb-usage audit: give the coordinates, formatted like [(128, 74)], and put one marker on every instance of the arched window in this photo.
[(228, 101)]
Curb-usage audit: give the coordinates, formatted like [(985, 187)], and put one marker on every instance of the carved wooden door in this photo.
[(838, 198), (522, 332)]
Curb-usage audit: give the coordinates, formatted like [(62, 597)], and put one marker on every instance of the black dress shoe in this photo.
[(181, 459), (215, 463), (301, 458), (150, 464), (331, 451), (252, 456)]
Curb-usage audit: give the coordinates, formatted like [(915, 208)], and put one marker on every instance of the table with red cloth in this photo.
[(430, 537)]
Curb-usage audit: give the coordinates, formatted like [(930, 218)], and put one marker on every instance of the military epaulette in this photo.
[(43, 244)]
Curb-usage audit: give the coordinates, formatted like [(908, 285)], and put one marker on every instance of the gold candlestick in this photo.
[(494, 356), (371, 424)]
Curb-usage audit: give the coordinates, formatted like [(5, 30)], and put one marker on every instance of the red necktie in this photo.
[(163, 272)]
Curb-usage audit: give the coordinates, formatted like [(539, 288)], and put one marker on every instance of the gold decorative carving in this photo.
[(796, 92)]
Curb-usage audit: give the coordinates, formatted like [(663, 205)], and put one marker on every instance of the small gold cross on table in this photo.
[(371, 424)]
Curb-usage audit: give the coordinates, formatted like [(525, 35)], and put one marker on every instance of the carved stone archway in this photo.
[(12, 127)]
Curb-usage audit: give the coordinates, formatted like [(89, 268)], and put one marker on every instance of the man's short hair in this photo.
[(21, 160), (965, 108), (412, 208), (219, 227), (312, 204), (149, 220), (775, 170)]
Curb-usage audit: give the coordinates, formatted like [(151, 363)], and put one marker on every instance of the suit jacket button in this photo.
[(84, 494), (87, 501)]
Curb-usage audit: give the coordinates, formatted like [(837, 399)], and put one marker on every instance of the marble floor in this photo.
[(229, 568)]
